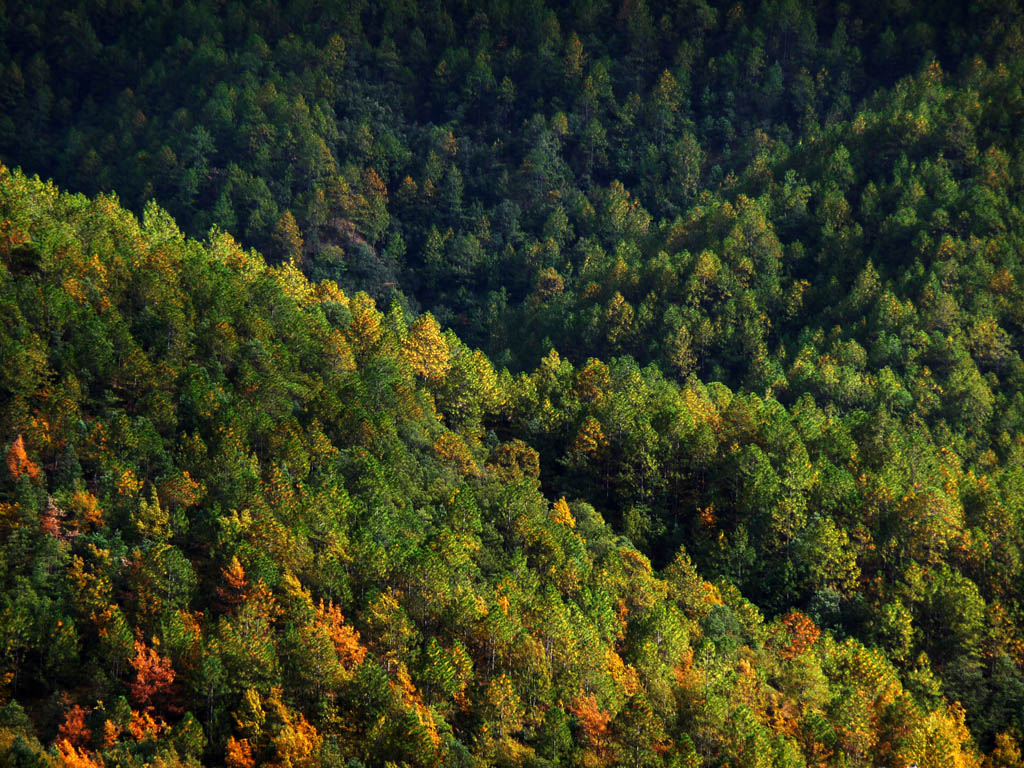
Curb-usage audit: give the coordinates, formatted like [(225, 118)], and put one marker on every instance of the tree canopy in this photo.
[(433, 383)]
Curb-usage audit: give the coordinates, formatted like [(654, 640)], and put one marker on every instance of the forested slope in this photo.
[(251, 519), (712, 455), (453, 151)]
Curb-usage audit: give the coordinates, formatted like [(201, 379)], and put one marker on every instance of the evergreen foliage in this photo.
[(623, 384)]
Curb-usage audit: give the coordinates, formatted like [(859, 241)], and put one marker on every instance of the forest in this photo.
[(531, 383)]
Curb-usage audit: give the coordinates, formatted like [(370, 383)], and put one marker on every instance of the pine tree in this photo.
[(287, 239)]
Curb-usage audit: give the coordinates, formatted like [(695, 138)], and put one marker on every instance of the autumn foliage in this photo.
[(580, 384), (802, 634), (73, 729), (346, 639), (238, 754), (18, 462), (70, 756), (593, 723), (153, 676)]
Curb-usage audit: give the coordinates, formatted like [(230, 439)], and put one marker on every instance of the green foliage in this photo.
[(755, 271), (317, 563)]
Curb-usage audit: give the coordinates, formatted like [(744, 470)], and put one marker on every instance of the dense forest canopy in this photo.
[(511, 383)]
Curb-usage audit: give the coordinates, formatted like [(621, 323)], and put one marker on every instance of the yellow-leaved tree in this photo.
[(426, 350)]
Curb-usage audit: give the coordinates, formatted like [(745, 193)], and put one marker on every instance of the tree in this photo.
[(594, 725), (74, 730), (287, 239), (503, 706), (666, 100), (19, 464), (389, 628), (426, 350), (296, 742), (153, 677), (238, 753), (232, 591), (345, 639), (1006, 753)]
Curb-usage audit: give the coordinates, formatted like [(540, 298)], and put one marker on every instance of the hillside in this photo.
[(512, 383), (253, 519)]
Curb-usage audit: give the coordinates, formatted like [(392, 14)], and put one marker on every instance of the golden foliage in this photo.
[(590, 440), (689, 678), (593, 722), (592, 381), (70, 757), (11, 237), (250, 716), (143, 727), (91, 584), (346, 639), (624, 675), (515, 460), (296, 743), (503, 704), (238, 754), (561, 514), (85, 509), (452, 450), (287, 238), (365, 329), (412, 699), (111, 733), (803, 633), (940, 740), (328, 291), (1005, 754), (426, 351), (180, 490), (127, 483), (232, 591)]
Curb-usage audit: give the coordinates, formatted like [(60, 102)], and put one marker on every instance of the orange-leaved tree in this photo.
[(18, 462)]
